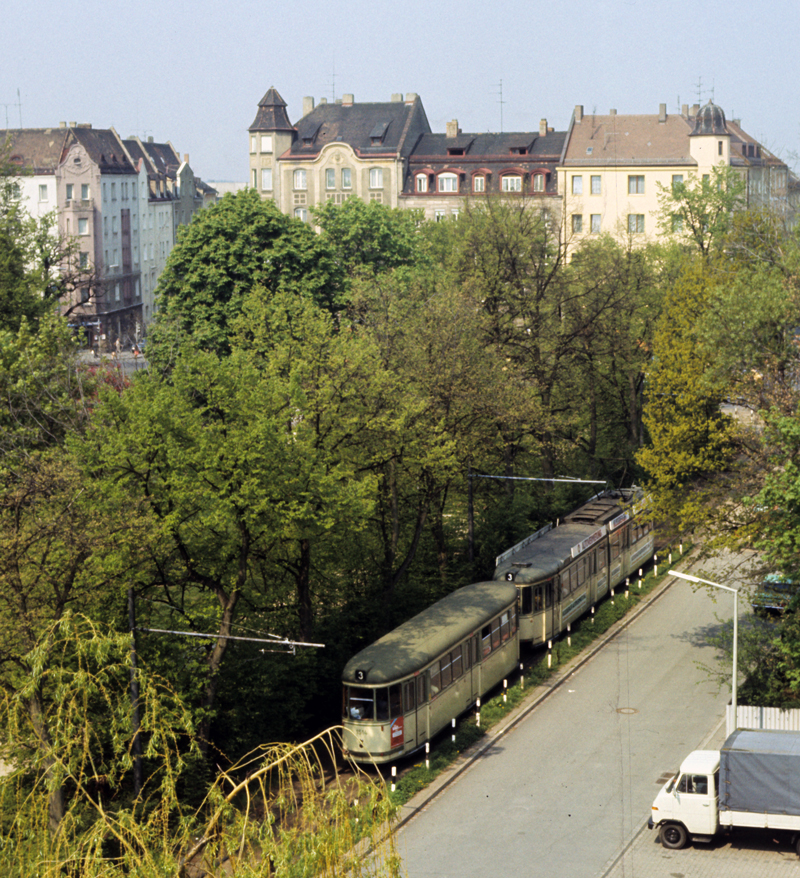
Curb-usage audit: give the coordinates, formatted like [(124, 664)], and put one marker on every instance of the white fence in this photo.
[(762, 718)]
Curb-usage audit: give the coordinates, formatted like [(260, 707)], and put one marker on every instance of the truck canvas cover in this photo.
[(759, 771)]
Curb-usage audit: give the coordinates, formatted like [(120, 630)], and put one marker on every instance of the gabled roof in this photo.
[(618, 139), (104, 148), (35, 149), (492, 147), (389, 128), (271, 114)]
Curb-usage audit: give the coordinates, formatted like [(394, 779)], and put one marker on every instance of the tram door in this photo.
[(410, 711), (537, 604)]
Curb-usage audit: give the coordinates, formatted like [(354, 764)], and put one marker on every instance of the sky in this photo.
[(193, 73)]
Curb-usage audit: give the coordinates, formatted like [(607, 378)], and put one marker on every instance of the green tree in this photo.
[(229, 249), (690, 440), (701, 211)]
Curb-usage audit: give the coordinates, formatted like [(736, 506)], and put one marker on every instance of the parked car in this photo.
[(774, 594)]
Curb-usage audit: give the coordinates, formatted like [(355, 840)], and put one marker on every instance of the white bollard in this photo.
[(478, 716), (569, 633), (394, 775), (521, 676), (453, 727), (428, 753), (505, 691), (592, 614)]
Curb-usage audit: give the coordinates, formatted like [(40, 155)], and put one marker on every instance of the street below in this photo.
[(567, 788)]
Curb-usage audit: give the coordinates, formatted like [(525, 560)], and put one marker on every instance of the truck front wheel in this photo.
[(673, 835)]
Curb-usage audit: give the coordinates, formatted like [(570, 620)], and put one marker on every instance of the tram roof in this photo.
[(416, 643), (547, 555)]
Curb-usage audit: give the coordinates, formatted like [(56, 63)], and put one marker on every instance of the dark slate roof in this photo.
[(389, 128), (104, 148), (137, 154), (419, 641), (164, 157), (524, 152), (35, 149), (271, 115)]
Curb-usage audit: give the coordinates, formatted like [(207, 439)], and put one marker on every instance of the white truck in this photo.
[(752, 782)]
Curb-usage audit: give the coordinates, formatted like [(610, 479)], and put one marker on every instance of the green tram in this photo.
[(407, 686), (564, 569)]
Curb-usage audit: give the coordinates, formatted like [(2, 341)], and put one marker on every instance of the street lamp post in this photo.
[(735, 632)]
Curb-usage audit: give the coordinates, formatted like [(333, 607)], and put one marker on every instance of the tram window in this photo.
[(616, 545), (549, 595), (513, 620), (447, 671), (467, 653), (395, 700), (537, 599), (495, 633), (486, 640), (582, 570), (408, 692), (505, 628), (436, 680), (359, 703), (600, 563), (526, 604), (382, 704), (457, 663), (422, 689)]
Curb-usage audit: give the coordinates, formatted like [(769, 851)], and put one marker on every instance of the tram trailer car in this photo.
[(564, 569), (407, 686)]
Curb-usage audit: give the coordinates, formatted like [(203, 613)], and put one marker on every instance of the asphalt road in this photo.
[(566, 790)]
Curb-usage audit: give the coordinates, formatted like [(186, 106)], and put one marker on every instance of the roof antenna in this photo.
[(333, 78), (501, 102)]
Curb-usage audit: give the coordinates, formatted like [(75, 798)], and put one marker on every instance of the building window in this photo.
[(677, 180), (594, 222), (512, 183), (577, 223), (113, 191), (114, 259), (538, 183), (706, 179), (83, 226), (330, 178), (376, 178), (116, 292), (43, 192), (421, 183), (84, 191), (577, 185), (301, 213), (448, 183), (266, 143), (635, 223), (252, 143), (439, 215), (255, 178), (636, 184), (266, 179), (376, 196), (677, 223), (70, 191), (719, 147), (83, 260), (479, 183), (595, 184), (113, 225), (300, 179), (347, 178)]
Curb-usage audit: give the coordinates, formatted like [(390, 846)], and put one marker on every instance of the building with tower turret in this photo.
[(614, 165)]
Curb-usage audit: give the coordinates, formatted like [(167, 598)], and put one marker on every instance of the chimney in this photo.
[(542, 127), (452, 128), (397, 98), (308, 105), (73, 124), (62, 124), (411, 96), (150, 138), (612, 112), (186, 157), (662, 112), (578, 112), (321, 101), (695, 109), (685, 110), (348, 100)]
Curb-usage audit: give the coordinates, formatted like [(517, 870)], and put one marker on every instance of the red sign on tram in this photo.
[(396, 733)]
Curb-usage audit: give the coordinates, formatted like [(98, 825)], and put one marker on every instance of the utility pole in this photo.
[(137, 741)]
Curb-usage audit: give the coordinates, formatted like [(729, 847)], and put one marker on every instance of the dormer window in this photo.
[(538, 182), (479, 183), (456, 150), (448, 182), (512, 183), (519, 150), (378, 133), (421, 183)]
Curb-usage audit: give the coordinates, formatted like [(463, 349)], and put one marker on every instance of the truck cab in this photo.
[(688, 804)]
